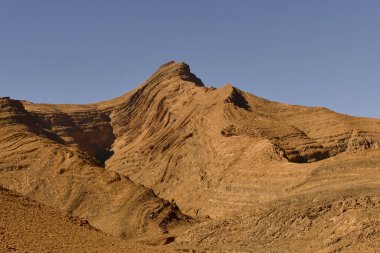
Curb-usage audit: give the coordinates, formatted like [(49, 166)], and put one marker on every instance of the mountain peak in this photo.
[(175, 69), (130, 165)]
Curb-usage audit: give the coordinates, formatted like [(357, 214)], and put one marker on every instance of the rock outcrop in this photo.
[(59, 172)]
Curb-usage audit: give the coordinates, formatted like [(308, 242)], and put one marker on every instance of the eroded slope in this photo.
[(219, 154), (28, 226), (40, 164), (224, 147)]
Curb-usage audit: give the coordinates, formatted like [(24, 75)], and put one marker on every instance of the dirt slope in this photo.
[(27, 226), (133, 165)]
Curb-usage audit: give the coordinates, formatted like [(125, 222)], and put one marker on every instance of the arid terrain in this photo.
[(176, 166)]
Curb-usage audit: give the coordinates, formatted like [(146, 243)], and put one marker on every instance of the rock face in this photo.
[(43, 161), (217, 153)]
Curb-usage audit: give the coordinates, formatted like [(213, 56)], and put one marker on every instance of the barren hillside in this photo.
[(202, 168), (28, 226)]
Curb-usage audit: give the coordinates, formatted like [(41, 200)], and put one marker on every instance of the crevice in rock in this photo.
[(103, 155), (309, 158), (238, 99), (90, 131)]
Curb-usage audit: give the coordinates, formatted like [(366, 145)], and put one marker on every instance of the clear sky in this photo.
[(319, 53)]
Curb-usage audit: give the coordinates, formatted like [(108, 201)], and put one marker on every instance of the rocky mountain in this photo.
[(207, 168)]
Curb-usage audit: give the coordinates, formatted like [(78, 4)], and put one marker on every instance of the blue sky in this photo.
[(318, 53)]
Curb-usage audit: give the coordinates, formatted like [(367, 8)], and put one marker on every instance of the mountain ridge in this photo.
[(173, 153)]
